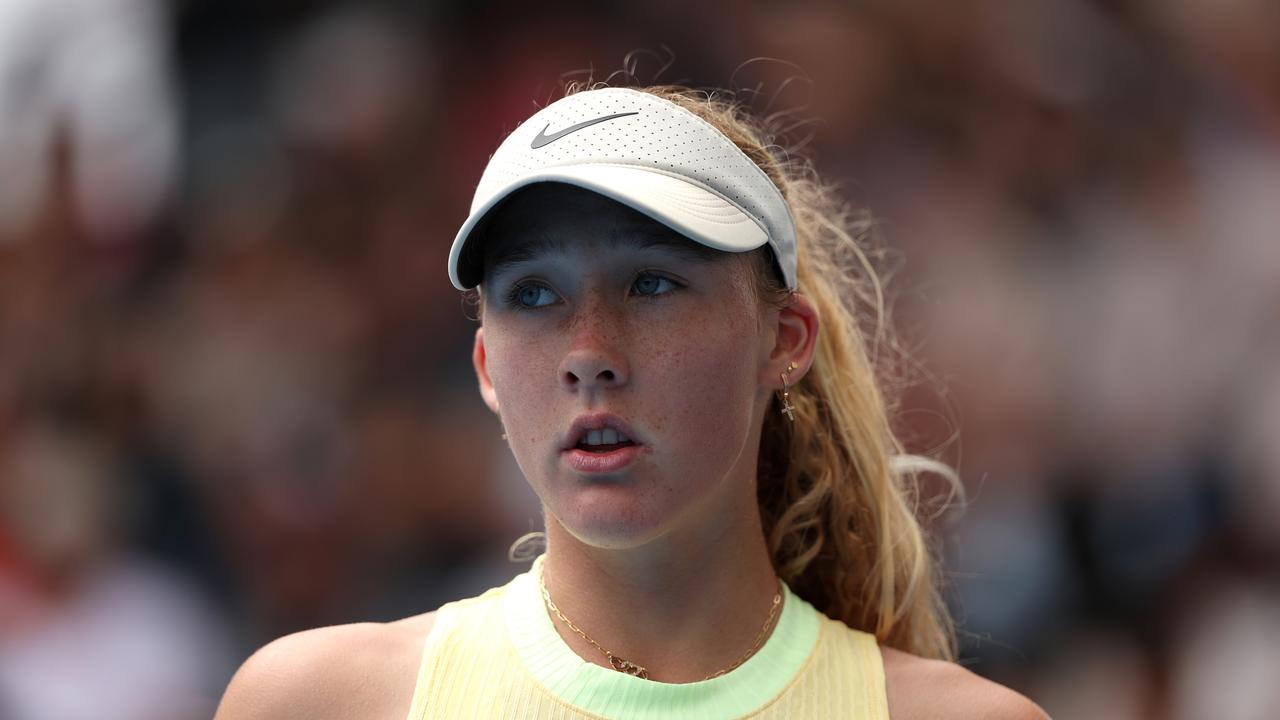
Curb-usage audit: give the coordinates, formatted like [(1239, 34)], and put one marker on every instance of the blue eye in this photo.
[(652, 282), (523, 296)]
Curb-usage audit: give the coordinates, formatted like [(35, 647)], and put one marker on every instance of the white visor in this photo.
[(647, 153)]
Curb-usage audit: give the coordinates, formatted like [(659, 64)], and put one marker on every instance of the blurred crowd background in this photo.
[(236, 397)]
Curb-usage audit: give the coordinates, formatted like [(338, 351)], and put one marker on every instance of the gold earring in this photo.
[(787, 408), (504, 430)]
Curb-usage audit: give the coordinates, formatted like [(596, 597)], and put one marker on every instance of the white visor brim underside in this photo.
[(686, 207)]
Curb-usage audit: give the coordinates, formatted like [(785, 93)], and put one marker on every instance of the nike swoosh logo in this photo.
[(544, 139)]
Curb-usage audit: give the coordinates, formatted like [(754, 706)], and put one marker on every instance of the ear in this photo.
[(480, 361), (795, 341)]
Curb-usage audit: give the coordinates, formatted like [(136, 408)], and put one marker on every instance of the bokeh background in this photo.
[(236, 397)]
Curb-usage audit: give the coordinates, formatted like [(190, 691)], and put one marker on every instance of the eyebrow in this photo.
[(650, 238)]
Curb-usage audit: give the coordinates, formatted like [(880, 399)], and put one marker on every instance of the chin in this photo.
[(634, 508), (612, 523)]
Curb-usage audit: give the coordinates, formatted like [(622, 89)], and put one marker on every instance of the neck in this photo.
[(684, 608)]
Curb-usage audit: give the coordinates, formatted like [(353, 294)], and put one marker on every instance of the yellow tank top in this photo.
[(499, 656)]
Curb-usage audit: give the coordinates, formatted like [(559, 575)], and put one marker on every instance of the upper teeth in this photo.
[(606, 436)]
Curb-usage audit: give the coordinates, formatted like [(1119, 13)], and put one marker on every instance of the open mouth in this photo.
[(603, 440), (603, 448), (606, 448)]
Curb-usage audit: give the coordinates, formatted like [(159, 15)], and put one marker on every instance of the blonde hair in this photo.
[(837, 493)]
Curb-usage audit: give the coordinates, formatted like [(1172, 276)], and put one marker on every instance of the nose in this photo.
[(595, 360), (591, 368)]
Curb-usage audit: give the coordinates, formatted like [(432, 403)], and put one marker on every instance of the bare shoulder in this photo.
[(343, 671), (921, 688)]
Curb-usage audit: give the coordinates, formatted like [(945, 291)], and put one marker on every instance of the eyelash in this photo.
[(512, 297)]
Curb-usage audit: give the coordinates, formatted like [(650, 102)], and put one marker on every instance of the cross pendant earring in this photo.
[(787, 407)]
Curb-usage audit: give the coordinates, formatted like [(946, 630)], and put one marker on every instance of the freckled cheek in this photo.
[(523, 375), (710, 396)]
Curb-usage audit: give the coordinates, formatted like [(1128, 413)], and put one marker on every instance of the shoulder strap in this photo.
[(456, 623), (857, 655), (440, 629)]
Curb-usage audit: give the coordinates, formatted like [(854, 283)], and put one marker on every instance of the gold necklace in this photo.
[(630, 668)]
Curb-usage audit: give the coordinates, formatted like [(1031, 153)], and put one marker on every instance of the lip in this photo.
[(609, 462), (600, 462), (597, 421)]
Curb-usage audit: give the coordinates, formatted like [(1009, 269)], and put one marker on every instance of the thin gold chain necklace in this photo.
[(630, 668)]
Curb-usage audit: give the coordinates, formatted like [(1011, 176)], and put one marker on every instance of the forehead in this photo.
[(557, 219)]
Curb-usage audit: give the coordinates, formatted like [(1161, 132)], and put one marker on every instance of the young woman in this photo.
[(670, 335)]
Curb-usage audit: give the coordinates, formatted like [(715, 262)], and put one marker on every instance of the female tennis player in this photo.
[(669, 334)]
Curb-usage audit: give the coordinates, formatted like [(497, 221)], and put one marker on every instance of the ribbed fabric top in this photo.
[(500, 655)]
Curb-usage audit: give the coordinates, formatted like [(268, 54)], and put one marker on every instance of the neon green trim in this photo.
[(602, 691)]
